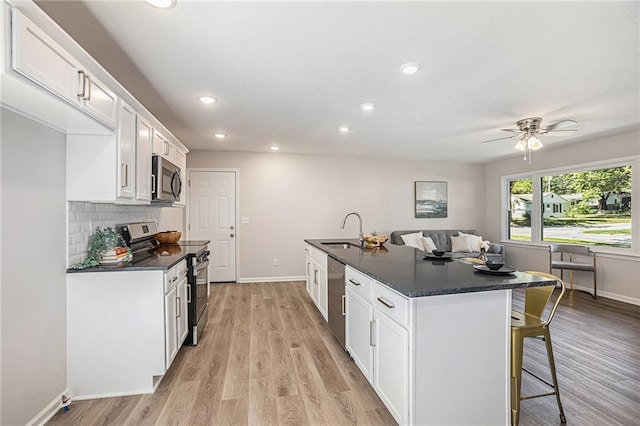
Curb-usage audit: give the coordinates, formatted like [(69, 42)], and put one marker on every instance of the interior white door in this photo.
[(212, 216)]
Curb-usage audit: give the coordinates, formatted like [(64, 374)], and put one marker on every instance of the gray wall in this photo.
[(33, 267), (618, 272), (288, 198)]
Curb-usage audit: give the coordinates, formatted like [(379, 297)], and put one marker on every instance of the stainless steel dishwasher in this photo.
[(336, 299)]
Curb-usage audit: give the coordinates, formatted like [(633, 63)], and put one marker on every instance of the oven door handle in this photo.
[(188, 293), (201, 266)]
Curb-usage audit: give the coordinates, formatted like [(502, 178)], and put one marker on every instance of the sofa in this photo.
[(442, 240)]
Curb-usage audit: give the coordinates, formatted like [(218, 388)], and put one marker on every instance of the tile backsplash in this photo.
[(85, 217)]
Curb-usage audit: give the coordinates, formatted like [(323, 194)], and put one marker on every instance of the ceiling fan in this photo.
[(528, 131)]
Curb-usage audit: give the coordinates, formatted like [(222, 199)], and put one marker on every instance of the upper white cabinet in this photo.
[(162, 146), (143, 164), (39, 58), (127, 120)]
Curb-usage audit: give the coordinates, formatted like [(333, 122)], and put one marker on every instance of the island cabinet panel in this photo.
[(461, 359), (359, 331), (318, 268)]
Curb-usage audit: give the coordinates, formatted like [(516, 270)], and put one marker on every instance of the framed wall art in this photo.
[(431, 199)]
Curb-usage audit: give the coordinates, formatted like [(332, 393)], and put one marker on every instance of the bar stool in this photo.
[(570, 264), (530, 324)]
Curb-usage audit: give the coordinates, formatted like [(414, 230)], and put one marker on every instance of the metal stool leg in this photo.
[(552, 367)]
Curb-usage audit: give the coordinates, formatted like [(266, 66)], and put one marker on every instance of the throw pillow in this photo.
[(428, 244), (474, 240), (461, 244), (413, 240)]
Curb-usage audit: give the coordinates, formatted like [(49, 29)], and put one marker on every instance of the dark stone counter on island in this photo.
[(405, 270)]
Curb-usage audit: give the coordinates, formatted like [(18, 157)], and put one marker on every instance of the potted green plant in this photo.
[(105, 242)]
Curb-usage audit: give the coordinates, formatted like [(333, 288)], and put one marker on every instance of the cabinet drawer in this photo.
[(170, 279), (391, 303), (359, 282), (318, 256)]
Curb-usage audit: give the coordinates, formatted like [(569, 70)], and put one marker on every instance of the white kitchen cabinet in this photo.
[(319, 280), (170, 326), (39, 58), (391, 378), (163, 147), (143, 159), (182, 318), (359, 331), (309, 273), (127, 119)]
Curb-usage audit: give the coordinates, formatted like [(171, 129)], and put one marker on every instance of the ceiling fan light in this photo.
[(521, 144), (534, 143)]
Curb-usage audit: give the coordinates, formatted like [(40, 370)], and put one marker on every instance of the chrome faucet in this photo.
[(344, 221)]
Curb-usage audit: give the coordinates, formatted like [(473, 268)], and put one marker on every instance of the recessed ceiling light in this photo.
[(344, 129), (163, 4), (410, 68), (208, 100), (220, 135), (275, 148), (367, 106)]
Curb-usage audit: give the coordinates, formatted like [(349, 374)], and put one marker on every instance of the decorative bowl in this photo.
[(375, 240), (438, 253), (168, 237), (494, 265)]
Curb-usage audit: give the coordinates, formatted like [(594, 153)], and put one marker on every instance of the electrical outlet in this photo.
[(245, 220), (275, 261)]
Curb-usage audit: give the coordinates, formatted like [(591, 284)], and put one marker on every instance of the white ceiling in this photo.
[(290, 73)]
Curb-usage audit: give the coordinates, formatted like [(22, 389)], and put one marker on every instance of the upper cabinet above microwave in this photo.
[(39, 58)]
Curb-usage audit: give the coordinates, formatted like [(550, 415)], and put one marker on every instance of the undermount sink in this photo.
[(340, 245)]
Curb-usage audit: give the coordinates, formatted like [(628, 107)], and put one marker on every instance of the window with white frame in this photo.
[(590, 205)]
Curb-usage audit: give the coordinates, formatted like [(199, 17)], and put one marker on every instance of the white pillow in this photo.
[(461, 244), (474, 240), (413, 240), (428, 244)]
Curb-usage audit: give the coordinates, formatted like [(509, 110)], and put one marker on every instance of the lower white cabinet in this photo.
[(359, 332), (123, 329), (317, 280), (378, 343)]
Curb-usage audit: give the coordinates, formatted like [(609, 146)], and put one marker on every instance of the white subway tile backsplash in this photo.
[(85, 217)]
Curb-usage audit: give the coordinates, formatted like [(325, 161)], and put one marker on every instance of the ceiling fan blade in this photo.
[(499, 139), (560, 125), (512, 130), (564, 132)]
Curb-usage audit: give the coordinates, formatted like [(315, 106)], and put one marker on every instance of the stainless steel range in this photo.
[(145, 248)]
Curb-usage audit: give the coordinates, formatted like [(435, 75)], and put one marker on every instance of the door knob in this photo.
[(232, 227), (231, 235)]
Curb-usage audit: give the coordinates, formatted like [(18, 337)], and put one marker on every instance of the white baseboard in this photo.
[(271, 279), (112, 394), (606, 294), (49, 411)]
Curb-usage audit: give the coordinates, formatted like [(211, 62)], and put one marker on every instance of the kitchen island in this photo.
[(431, 336)]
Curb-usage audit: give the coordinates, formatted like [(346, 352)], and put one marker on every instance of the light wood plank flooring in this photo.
[(268, 358)]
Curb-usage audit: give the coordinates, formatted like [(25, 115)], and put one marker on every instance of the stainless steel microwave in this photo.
[(166, 184)]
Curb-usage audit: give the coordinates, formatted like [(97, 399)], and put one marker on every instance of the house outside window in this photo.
[(590, 206)]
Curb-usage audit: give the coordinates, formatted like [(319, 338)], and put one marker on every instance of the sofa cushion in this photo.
[(461, 244), (428, 244), (474, 240), (442, 239), (413, 240)]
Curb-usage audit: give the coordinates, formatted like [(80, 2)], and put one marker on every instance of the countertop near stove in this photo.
[(165, 256)]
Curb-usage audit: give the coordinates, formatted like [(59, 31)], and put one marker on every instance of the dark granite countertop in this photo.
[(405, 270), (165, 256)]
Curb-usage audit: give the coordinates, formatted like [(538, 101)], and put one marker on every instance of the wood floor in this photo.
[(268, 358)]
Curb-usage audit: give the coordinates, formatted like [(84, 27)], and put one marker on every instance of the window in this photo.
[(589, 206), (520, 201)]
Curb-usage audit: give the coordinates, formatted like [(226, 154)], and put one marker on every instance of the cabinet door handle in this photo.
[(315, 276), (174, 279), (354, 282), (372, 325), (344, 312), (386, 303), (153, 183), (166, 147), (88, 95), (125, 180), (82, 83), (308, 268)]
